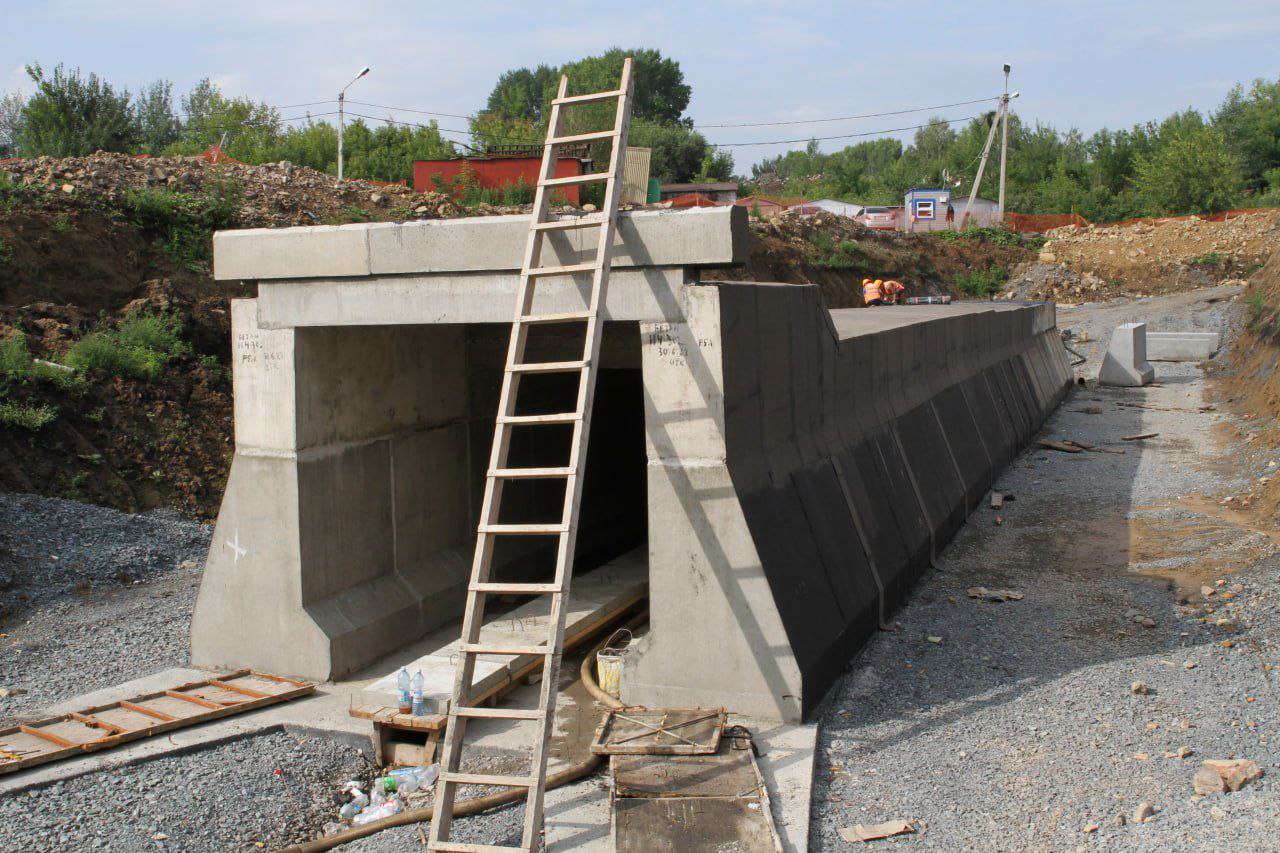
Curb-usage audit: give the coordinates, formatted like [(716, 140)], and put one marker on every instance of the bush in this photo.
[(185, 222), (138, 349), (14, 414), (982, 283), (985, 234), (16, 363)]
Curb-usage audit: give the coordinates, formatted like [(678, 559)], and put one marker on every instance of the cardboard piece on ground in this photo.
[(864, 832), (996, 595)]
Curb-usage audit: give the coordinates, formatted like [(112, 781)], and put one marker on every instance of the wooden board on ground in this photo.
[(692, 802), (106, 726), (659, 731)]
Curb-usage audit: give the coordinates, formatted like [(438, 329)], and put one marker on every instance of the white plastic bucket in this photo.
[(609, 665)]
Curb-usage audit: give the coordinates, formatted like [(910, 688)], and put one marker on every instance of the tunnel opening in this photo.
[(613, 519)]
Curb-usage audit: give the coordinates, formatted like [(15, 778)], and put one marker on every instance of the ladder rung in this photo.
[(548, 367), (592, 98), (531, 473), (582, 137), (488, 779), (573, 180), (571, 222), (523, 529), (570, 269), (565, 317), (516, 588), (525, 420), (499, 713), (504, 649), (460, 847)]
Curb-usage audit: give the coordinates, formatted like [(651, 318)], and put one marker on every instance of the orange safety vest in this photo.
[(871, 292)]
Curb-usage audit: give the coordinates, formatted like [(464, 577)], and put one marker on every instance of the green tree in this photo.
[(157, 125), (1250, 124), (523, 93), (679, 153), (70, 115), (661, 93), (387, 153), (1191, 170), (246, 130)]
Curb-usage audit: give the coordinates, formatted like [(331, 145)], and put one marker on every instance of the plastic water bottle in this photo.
[(402, 689), (410, 779), (419, 698)]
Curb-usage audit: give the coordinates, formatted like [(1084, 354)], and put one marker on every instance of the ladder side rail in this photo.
[(549, 687), (473, 618)]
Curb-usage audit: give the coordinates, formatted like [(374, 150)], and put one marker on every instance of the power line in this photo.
[(850, 118), (407, 110), (841, 136)]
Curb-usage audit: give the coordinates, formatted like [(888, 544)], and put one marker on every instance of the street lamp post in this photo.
[(342, 96)]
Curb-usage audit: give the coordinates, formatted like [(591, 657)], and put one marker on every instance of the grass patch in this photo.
[(1209, 259), (17, 365), (983, 282), (62, 223), (845, 255), (183, 222), (984, 234), (138, 349), (25, 415), (6, 252)]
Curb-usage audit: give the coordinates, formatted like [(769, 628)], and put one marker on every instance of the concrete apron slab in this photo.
[(577, 816)]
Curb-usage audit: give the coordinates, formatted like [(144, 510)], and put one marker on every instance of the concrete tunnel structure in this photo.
[(789, 471)]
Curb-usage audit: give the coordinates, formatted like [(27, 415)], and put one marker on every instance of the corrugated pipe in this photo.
[(474, 805)]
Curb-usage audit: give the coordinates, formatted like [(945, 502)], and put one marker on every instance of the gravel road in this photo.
[(1020, 728)]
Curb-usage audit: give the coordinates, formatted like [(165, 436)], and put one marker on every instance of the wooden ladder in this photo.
[(565, 531)]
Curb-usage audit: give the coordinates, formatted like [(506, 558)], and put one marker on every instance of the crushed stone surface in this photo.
[(91, 597), (228, 797), (1021, 729)]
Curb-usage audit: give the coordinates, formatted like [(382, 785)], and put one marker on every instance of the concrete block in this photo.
[(1125, 363), (1181, 346), (317, 251)]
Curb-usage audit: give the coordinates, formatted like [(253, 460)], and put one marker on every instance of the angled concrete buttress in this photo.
[(788, 470)]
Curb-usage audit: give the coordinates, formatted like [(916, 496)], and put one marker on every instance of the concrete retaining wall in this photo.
[(805, 467)]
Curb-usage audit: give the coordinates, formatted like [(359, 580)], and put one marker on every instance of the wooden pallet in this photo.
[(564, 531), (106, 726), (660, 731)]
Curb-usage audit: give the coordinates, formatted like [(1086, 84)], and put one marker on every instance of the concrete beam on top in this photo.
[(645, 238)]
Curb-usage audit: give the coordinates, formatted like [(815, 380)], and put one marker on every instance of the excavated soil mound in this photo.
[(1095, 262), (836, 253)]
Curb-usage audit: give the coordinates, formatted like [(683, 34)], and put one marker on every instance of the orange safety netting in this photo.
[(1204, 217), (693, 200)]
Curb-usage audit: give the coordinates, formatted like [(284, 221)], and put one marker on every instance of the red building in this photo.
[(495, 173)]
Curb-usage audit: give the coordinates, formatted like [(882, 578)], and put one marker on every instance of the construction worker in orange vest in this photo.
[(872, 292), (891, 290)]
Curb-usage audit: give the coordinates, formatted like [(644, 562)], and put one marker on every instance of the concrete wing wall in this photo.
[(815, 470)]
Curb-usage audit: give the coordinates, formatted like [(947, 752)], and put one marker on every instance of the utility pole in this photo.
[(982, 165), (342, 97), (1004, 142)]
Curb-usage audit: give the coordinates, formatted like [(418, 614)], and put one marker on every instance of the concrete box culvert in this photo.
[(788, 470)]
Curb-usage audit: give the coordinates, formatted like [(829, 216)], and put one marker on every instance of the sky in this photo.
[(1087, 64)]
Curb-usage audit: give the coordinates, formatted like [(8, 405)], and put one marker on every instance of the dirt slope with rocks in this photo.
[(836, 253), (1096, 262)]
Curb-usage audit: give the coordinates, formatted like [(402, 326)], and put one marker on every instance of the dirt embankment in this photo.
[(836, 253), (1093, 263), (86, 243)]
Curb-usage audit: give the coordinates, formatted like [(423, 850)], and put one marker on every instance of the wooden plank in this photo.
[(150, 712), (106, 726)]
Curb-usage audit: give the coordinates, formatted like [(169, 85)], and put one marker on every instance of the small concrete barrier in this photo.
[(1126, 361), (1181, 346)]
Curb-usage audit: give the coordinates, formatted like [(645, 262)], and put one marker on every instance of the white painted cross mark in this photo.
[(234, 545)]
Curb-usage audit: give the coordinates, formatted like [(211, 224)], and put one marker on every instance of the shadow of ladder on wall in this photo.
[(508, 420)]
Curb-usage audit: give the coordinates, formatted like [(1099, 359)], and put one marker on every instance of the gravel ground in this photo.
[(91, 596), (225, 798), (1020, 730)]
